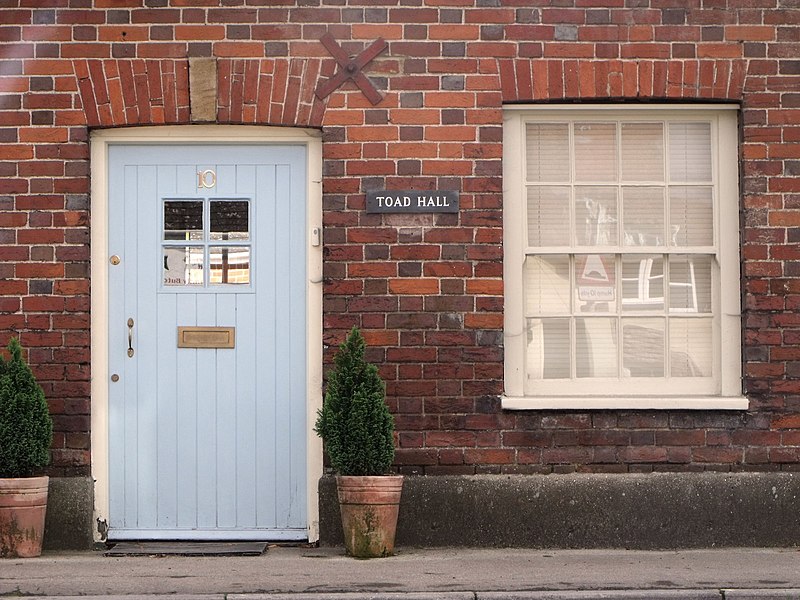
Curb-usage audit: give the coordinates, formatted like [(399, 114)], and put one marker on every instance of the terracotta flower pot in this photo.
[(369, 507), (23, 503)]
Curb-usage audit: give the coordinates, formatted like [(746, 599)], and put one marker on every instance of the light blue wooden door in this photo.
[(207, 442)]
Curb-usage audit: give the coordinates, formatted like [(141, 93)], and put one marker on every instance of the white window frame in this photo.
[(727, 394)]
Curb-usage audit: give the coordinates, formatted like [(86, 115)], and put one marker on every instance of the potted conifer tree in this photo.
[(358, 431), (26, 433)]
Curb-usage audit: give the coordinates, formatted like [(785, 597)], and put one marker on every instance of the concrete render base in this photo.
[(68, 524), (636, 511), (653, 511)]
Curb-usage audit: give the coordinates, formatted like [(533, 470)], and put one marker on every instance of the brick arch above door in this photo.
[(277, 91), (525, 80)]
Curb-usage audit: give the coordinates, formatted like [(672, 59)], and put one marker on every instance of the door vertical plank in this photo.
[(268, 346), (116, 338), (247, 474), (206, 376), (226, 416), (145, 345), (130, 467), (296, 507), (246, 367), (289, 268), (186, 414), (186, 180), (226, 176), (167, 508)]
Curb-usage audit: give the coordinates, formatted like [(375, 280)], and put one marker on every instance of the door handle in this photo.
[(130, 338)]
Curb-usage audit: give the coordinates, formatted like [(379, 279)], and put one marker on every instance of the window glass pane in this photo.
[(691, 216), (547, 285), (548, 216), (596, 216), (690, 348), (548, 349), (643, 347), (547, 151), (229, 220), (690, 283), (229, 264), (690, 151), (643, 216), (596, 347), (595, 152), (183, 220), (183, 265), (595, 283), (643, 282), (642, 152)]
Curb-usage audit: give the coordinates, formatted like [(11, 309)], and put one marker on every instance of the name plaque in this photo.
[(413, 201)]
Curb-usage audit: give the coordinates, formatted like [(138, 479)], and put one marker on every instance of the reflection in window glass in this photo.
[(596, 347), (642, 152), (595, 283), (690, 283), (229, 264), (643, 347), (643, 216), (596, 216), (548, 348), (183, 220), (229, 220), (547, 285), (183, 265), (595, 152), (643, 282), (548, 216), (690, 347), (548, 151)]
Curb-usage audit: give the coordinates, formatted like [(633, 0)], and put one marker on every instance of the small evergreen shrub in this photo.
[(26, 429), (354, 421)]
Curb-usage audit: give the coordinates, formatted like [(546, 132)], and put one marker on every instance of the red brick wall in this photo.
[(426, 289)]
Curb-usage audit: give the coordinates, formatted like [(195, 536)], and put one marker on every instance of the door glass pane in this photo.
[(548, 349), (229, 220), (596, 216), (595, 152), (229, 264), (690, 283), (547, 147), (643, 282), (547, 285), (643, 216), (183, 220), (690, 347), (691, 216), (643, 347), (690, 151), (642, 152), (596, 347), (548, 216), (183, 265), (595, 283)]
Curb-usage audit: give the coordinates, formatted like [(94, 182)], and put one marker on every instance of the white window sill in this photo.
[(625, 402)]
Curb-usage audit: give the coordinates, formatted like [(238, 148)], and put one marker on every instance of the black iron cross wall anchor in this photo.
[(351, 68)]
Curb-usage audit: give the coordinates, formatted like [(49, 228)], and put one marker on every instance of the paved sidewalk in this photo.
[(295, 573)]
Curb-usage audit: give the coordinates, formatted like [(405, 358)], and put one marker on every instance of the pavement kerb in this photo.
[(647, 594)]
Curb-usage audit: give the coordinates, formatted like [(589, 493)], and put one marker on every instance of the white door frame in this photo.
[(197, 134)]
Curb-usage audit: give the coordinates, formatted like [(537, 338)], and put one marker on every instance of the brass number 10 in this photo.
[(206, 179)]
